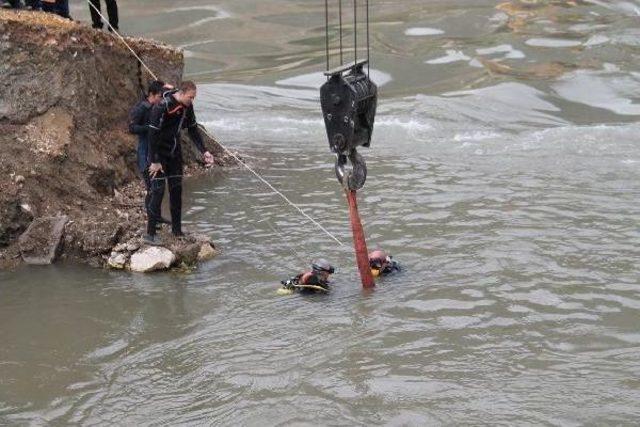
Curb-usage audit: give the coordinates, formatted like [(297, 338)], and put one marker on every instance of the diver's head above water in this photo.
[(322, 268), (378, 259), (381, 263)]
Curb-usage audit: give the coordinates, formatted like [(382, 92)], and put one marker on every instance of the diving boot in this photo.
[(152, 240)]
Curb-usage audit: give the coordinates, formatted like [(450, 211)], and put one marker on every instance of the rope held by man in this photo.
[(256, 174)]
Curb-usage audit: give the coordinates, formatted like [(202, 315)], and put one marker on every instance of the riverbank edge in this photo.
[(69, 188)]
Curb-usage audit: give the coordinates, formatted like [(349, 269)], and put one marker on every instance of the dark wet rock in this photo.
[(89, 238), (40, 244), (100, 240), (206, 252), (103, 181), (14, 220), (186, 252)]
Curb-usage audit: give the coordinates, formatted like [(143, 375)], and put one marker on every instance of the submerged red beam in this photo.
[(359, 241)]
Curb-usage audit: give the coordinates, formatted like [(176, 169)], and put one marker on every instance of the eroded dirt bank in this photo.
[(65, 150)]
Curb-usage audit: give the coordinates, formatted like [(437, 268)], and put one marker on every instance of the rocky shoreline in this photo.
[(69, 189)]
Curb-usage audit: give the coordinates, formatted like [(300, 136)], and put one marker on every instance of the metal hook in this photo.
[(355, 177)]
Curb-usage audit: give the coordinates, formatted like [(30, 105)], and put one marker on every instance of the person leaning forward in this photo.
[(167, 119)]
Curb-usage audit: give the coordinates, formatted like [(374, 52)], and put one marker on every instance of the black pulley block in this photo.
[(349, 100)]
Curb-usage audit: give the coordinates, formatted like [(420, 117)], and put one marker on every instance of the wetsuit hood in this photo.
[(322, 265)]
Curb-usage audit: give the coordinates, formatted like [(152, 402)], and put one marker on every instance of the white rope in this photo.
[(257, 175), (123, 40), (283, 239), (275, 190)]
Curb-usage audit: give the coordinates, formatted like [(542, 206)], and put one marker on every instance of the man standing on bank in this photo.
[(139, 125), (112, 11), (167, 119)]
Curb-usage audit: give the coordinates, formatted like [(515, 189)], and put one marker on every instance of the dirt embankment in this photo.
[(64, 148)]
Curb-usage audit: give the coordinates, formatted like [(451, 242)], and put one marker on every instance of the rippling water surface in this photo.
[(504, 176)]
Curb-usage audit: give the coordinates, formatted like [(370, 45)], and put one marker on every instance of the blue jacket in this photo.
[(139, 125)]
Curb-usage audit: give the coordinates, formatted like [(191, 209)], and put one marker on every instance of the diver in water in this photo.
[(382, 264), (316, 280)]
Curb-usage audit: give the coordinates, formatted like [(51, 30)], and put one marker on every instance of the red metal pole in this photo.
[(359, 241)]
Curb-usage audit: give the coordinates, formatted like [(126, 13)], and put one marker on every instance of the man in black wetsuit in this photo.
[(167, 119)]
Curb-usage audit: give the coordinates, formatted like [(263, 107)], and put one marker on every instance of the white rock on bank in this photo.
[(117, 261), (152, 259), (26, 208)]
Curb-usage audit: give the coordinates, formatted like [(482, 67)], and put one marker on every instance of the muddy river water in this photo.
[(504, 175)]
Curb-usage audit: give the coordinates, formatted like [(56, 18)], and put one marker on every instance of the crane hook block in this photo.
[(349, 100)]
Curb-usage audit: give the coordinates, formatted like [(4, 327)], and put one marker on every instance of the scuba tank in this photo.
[(299, 283)]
